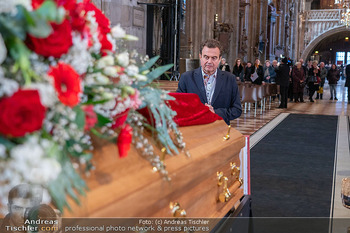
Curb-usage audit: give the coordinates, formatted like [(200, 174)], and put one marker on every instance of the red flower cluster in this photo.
[(56, 44), (124, 141), (67, 83), (21, 113), (60, 40), (90, 117), (103, 27)]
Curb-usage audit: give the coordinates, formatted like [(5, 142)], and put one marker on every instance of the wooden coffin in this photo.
[(129, 188)]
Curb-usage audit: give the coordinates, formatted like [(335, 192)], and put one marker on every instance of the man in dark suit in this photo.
[(216, 89), (282, 79)]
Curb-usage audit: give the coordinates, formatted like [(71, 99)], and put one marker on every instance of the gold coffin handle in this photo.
[(176, 210), (227, 136), (235, 171), (225, 195)]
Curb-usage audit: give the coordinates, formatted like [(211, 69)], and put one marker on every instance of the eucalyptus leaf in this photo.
[(80, 117), (68, 182), (49, 11), (8, 144), (151, 76), (40, 28), (10, 28), (149, 64)]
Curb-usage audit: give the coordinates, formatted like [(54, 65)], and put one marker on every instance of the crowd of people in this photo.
[(294, 79)]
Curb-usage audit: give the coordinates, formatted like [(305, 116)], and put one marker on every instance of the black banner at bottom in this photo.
[(201, 225)]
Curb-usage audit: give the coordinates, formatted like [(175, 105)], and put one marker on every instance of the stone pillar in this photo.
[(234, 10), (253, 30), (263, 27)]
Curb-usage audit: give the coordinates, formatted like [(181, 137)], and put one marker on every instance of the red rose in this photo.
[(56, 44), (103, 27), (120, 119), (21, 113), (67, 83), (106, 45), (67, 4), (90, 117), (77, 18), (124, 141), (102, 21)]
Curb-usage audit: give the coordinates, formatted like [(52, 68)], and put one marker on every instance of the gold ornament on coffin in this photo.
[(227, 136), (176, 210)]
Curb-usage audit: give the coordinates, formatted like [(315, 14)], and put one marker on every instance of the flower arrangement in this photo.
[(66, 76)]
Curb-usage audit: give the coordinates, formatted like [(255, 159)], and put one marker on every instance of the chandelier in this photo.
[(345, 17), (343, 3)]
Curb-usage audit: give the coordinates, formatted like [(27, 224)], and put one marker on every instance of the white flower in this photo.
[(105, 61), (78, 55), (96, 78), (46, 197), (141, 77), (123, 59), (47, 93), (132, 70), (2, 151), (118, 32), (110, 71), (7, 86), (3, 50), (46, 170)]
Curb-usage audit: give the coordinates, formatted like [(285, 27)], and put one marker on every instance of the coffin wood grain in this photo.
[(128, 187)]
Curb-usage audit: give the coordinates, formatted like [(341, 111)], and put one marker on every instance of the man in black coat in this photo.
[(282, 79)]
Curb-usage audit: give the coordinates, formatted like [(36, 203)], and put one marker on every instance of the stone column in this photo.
[(263, 27), (234, 12)]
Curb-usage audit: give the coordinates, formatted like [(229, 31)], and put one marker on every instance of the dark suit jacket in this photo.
[(282, 78), (226, 100)]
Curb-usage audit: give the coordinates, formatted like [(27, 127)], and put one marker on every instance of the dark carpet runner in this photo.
[(292, 170)]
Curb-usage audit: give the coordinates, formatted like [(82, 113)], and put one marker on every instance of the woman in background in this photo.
[(269, 73), (298, 77), (238, 70), (333, 76)]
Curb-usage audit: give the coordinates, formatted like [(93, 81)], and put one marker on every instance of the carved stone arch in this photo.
[(311, 46)]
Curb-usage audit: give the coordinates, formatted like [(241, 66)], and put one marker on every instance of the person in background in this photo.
[(347, 82), (282, 79), (249, 70), (303, 66), (215, 88), (274, 64), (323, 75), (312, 80), (269, 73), (298, 76), (238, 70), (260, 72), (224, 66), (333, 76)]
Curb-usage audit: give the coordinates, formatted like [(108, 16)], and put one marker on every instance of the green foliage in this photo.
[(14, 30), (68, 182), (80, 117), (162, 115)]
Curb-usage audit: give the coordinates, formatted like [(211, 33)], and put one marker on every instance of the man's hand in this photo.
[(210, 108)]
